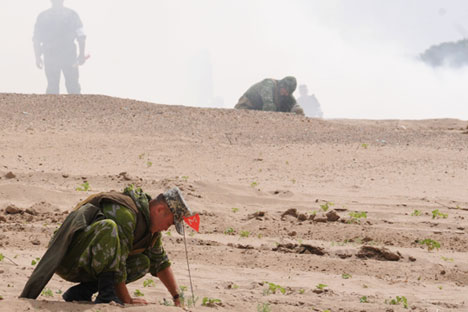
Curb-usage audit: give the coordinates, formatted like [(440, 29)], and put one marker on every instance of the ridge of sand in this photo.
[(253, 162)]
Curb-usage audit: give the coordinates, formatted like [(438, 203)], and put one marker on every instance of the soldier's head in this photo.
[(287, 85), (303, 90), (57, 3), (167, 209)]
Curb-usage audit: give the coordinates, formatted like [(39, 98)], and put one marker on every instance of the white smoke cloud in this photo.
[(357, 57)]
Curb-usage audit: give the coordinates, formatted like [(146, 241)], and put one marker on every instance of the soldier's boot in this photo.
[(80, 292), (106, 289)]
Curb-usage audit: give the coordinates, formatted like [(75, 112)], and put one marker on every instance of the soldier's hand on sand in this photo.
[(139, 301)]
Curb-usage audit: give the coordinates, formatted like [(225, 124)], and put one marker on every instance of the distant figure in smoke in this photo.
[(54, 37), (309, 103), (271, 95)]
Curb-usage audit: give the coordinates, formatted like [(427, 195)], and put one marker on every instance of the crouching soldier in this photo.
[(111, 239), (271, 95)]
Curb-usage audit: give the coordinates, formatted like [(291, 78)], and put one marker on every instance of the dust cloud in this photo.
[(360, 59)]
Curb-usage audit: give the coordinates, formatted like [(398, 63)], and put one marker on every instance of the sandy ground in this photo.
[(242, 170)]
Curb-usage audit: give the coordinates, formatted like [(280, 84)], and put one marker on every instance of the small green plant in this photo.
[(430, 243), (229, 231), (321, 286), (253, 184), (1, 297), (210, 302), (138, 293), (363, 299), (416, 213), (149, 164), (364, 145), (167, 303), (244, 234), (84, 187), (148, 283), (301, 291), (447, 259), (398, 300), (190, 302), (436, 214), (356, 216), (235, 286), (259, 235), (1, 257), (35, 261), (346, 276), (47, 293), (326, 206), (235, 210), (263, 307), (272, 288), (440, 287), (59, 292), (141, 155), (185, 178), (168, 233)]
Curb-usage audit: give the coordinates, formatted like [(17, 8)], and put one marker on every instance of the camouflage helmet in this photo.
[(289, 83), (178, 207)]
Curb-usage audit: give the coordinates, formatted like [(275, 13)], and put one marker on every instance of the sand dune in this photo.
[(242, 171)]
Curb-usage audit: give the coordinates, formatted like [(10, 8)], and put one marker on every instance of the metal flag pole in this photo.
[(188, 267)]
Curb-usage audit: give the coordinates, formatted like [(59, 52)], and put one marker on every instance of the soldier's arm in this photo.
[(267, 93), (160, 266), (37, 42), (82, 47), (80, 37), (168, 279)]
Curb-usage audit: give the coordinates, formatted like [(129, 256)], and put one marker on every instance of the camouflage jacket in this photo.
[(133, 219), (264, 95)]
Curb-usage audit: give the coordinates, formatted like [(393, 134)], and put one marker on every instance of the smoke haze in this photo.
[(358, 57)]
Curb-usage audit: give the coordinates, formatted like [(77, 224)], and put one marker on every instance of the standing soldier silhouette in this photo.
[(54, 38)]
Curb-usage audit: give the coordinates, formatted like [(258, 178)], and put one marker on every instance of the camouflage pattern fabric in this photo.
[(265, 96), (176, 203), (104, 246)]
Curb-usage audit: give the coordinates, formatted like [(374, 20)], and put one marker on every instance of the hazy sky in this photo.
[(357, 56)]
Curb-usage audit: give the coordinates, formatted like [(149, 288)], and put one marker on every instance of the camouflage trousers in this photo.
[(97, 250)]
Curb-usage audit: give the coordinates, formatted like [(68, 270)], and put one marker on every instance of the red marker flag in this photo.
[(193, 222)]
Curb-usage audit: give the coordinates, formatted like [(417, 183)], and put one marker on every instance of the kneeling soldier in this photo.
[(109, 240)]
